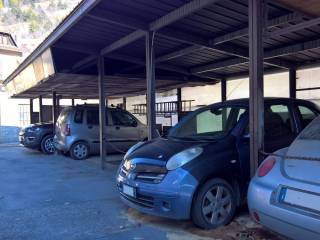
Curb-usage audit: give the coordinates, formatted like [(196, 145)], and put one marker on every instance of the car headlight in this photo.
[(33, 130), (132, 149), (182, 158)]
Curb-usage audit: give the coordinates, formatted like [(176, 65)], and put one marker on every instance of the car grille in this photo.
[(145, 173)]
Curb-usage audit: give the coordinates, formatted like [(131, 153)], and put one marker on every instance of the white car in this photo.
[(284, 195)]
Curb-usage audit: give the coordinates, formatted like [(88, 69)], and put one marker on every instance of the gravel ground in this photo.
[(54, 197)]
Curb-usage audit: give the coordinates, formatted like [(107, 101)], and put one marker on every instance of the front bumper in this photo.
[(280, 218), (171, 198), (28, 140)]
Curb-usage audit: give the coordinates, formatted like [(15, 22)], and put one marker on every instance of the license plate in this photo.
[(128, 190), (301, 199)]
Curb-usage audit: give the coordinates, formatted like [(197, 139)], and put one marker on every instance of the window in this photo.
[(312, 132), (24, 115), (121, 118), (212, 123), (78, 117), (278, 121), (306, 115), (93, 117)]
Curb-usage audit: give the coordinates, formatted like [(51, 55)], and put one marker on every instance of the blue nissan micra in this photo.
[(201, 169)]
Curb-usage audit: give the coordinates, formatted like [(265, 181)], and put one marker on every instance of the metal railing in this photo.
[(165, 108)]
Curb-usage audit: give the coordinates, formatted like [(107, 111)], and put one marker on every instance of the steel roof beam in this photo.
[(168, 67), (294, 28), (182, 37), (243, 32), (162, 22), (272, 53)]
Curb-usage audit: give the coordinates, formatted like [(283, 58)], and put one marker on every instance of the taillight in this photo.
[(67, 130), (266, 166), (255, 216)]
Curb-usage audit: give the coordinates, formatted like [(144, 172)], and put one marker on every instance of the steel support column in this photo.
[(102, 111), (151, 90), (223, 90), (256, 102), (58, 104), (124, 103), (293, 82), (31, 109), (54, 109), (179, 103), (40, 109)]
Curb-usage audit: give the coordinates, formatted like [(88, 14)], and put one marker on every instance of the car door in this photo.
[(280, 131), (279, 127), (91, 129), (124, 130)]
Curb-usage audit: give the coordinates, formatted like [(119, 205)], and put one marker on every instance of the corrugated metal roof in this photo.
[(208, 44)]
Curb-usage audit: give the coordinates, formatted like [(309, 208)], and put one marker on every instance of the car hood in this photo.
[(41, 125), (162, 149)]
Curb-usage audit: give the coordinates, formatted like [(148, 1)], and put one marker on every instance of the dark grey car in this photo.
[(38, 136), (77, 131)]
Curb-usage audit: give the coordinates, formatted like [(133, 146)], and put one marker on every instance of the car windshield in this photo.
[(311, 132), (209, 124)]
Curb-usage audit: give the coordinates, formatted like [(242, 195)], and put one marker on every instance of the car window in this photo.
[(212, 123), (93, 117), (312, 131), (306, 115), (78, 116), (278, 121), (121, 118)]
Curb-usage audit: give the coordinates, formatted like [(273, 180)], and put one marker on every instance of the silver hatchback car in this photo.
[(77, 131), (285, 193)]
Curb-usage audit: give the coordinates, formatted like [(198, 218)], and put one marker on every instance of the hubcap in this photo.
[(49, 146), (80, 151), (217, 205)]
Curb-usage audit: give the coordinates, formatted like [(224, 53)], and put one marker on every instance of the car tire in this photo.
[(214, 204), (79, 151), (47, 145)]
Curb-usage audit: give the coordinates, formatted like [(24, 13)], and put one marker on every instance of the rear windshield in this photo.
[(312, 132), (63, 115)]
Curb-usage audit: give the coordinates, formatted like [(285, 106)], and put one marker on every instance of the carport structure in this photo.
[(122, 48)]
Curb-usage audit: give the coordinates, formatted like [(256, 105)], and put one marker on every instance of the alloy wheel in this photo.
[(49, 145), (217, 205)]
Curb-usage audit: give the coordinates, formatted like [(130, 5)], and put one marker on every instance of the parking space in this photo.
[(54, 197)]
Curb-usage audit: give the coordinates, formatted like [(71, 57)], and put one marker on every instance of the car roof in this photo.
[(269, 100)]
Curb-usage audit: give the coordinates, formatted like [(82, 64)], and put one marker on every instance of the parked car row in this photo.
[(200, 171), (77, 132)]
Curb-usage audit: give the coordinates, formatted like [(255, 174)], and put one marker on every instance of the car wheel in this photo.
[(214, 205), (47, 145), (79, 151)]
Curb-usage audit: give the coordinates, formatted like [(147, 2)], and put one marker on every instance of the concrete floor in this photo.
[(54, 197)]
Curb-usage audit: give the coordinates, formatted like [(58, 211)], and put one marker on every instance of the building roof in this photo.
[(8, 45), (196, 41)]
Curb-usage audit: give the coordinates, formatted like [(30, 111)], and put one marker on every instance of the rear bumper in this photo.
[(172, 198), (280, 218), (62, 145)]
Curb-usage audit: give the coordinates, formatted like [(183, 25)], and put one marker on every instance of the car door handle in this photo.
[(90, 127), (117, 127)]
